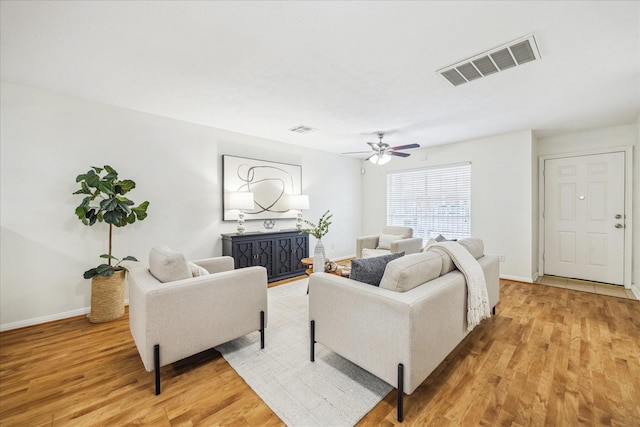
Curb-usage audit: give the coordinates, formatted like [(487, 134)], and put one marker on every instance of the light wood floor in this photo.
[(551, 356)]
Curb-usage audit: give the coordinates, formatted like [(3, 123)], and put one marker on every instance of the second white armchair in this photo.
[(393, 239)]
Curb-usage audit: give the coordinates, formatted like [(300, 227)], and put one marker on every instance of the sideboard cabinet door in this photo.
[(279, 252)]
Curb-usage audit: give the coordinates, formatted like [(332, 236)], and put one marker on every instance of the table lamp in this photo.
[(298, 202), (239, 200)]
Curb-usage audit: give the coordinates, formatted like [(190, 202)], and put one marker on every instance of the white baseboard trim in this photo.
[(48, 318), (516, 278), (636, 290)]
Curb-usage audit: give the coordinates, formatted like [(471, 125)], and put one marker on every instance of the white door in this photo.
[(584, 217)]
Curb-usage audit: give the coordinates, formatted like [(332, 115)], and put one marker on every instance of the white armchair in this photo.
[(393, 239), (179, 308)]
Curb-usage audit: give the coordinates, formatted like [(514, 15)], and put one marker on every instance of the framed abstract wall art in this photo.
[(270, 183)]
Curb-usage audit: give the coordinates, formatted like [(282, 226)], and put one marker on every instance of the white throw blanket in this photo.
[(477, 296)]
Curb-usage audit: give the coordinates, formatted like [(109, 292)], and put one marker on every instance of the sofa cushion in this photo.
[(196, 270), (447, 263), (410, 271), (384, 241), (370, 270), (369, 253), (474, 245), (167, 265)]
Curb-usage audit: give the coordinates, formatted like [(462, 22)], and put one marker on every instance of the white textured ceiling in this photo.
[(348, 69)]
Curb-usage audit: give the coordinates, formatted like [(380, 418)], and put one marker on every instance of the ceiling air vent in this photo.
[(501, 58), (302, 129)]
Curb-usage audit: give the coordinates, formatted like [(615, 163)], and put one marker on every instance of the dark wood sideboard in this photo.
[(279, 252)]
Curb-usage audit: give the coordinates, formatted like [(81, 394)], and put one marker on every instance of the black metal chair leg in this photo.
[(400, 392), (156, 366), (313, 340), (262, 329)]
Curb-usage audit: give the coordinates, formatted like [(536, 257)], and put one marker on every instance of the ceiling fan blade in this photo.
[(373, 155), (405, 147), (398, 153), (357, 152), (375, 145)]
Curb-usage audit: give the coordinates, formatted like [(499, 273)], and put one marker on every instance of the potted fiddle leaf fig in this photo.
[(104, 201)]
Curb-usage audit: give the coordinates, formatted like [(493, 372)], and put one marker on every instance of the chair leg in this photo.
[(400, 392), (156, 366), (312, 334), (262, 329), (493, 310)]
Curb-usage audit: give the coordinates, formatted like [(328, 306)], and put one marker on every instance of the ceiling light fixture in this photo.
[(380, 159)]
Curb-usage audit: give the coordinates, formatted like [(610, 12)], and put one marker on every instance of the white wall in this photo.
[(618, 136), (47, 139), (502, 180)]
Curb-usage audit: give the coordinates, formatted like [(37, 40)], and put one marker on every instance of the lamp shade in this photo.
[(240, 200), (298, 201)]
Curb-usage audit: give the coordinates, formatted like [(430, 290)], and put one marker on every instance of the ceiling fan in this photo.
[(382, 152)]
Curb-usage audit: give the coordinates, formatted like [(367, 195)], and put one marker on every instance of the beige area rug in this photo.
[(328, 392)]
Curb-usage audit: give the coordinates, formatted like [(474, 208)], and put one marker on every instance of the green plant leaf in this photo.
[(92, 180), (129, 258), (106, 187), (107, 256), (126, 186), (141, 210), (81, 212), (110, 170), (90, 273), (113, 217), (109, 204)]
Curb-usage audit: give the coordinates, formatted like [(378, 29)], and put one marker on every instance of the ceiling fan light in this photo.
[(380, 159)]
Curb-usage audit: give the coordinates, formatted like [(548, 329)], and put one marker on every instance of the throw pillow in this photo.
[(474, 245), (411, 271), (197, 271), (370, 270), (384, 241), (167, 265)]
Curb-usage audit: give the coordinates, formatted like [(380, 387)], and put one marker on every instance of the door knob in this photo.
[(619, 226)]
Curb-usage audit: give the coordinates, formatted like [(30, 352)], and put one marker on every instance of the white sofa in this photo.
[(400, 337), (393, 239), (178, 309)]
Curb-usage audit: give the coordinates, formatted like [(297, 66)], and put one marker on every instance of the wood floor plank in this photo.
[(551, 356)]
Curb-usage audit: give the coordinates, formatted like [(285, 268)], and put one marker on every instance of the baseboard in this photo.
[(636, 290), (516, 278), (48, 318)]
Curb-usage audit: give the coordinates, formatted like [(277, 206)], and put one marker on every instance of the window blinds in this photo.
[(432, 201)]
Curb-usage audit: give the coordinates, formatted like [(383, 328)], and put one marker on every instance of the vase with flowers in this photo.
[(318, 231)]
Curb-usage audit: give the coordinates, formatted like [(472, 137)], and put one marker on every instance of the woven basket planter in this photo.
[(107, 297)]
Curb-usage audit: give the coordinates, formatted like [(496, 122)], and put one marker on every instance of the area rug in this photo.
[(328, 392)]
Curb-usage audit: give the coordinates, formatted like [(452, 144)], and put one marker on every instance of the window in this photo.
[(432, 201)]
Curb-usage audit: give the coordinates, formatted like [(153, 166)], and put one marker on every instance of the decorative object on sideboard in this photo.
[(298, 202), (240, 201), (104, 201), (269, 224), (270, 183)]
